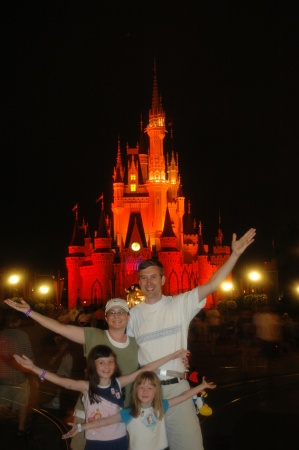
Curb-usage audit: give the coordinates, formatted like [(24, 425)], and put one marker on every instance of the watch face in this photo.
[(135, 246)]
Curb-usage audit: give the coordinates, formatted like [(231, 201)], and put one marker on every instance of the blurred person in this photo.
[(245, 339), (14, 379), (160, 324), (101, 392), (62, 360), (289, 329), (214, 320), (268, 330), (145, 418), (99, 315)]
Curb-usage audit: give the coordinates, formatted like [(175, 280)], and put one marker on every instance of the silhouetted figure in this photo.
[(268, 329), (14, 382)]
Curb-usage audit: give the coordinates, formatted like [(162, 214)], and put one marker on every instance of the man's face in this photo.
[(151, 283)]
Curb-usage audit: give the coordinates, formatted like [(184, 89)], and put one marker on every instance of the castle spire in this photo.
[(102, 229), (219, 237), (156, 113), (167, 229), (201, 249), (118, 174), (155, 98), (188, 229), (78, 232)]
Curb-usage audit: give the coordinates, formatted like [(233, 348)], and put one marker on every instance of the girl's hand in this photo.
[(73, 431), (184, 355), (208, 385), (24, 361)]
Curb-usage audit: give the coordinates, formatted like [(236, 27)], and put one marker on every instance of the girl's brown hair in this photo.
[(151, 378), (99, 351)]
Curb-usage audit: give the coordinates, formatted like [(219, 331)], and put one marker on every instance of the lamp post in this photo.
[(43, 291), (254, 277), (227, 287), (14, 281)]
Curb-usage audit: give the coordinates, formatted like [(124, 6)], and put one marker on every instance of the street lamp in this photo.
[(227, 287), (44, 289), (254, 276), (14, 282)]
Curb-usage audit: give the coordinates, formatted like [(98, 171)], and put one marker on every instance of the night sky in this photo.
[(76, 75)]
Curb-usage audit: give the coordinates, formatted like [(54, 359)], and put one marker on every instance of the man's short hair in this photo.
[(151, 263)]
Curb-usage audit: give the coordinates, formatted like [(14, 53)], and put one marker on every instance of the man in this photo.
[(160, 324), (125, 348)]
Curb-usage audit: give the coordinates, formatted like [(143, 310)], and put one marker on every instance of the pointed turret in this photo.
[(78, 234), (167, 229), (201, 248), (188, 229), (168, 237), (219, 238), (102, 239), (157, 109), (118, 175)]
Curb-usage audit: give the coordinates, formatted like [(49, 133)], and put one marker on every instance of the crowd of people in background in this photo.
[(258, 331)]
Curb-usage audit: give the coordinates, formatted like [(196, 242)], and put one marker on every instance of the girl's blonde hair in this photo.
[(151, 378)]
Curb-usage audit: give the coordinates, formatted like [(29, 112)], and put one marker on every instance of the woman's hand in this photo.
[(21, 306)]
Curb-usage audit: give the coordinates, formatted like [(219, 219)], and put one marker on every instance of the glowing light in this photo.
[(227, 286), (14, 279), (254, 276), (44, 289), (135, 246)]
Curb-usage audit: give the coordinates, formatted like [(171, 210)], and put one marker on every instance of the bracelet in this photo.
[(28, 312), (42, 375), (79, 427)]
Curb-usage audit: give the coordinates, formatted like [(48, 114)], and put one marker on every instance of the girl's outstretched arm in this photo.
[(191, 392), (67, 383), (98, 423), (71, 332), (154, 365)]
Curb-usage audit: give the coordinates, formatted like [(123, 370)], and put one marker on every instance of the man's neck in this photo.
[(152, 300)]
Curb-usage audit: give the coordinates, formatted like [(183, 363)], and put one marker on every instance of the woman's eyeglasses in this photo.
[(117, 313)]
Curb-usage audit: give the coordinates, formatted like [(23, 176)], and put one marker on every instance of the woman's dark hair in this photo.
[(99, 351)]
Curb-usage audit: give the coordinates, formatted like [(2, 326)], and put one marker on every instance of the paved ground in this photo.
[(254, 407)]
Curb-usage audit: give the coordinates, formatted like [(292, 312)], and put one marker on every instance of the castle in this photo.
[(149, 220)]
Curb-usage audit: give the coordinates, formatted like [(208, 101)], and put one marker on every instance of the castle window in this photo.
[(133, 187)]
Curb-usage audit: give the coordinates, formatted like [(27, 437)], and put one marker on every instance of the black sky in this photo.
[(76, 75)]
